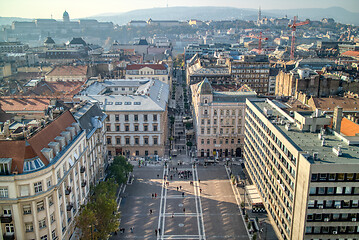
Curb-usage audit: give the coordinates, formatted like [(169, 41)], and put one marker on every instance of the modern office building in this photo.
[(307, 174), (136, 123), (46, 175), (218, 120)]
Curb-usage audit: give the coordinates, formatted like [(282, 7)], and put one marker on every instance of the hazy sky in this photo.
[(81, 8)]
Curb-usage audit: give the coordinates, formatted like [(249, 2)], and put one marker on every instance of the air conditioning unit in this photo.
[(354, 219), (335, 232), (320, 206), (326, 219)]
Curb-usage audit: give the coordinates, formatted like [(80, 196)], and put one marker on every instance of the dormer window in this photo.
[(5, 165)]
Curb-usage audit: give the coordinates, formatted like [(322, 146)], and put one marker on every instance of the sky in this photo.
[(82, 8)]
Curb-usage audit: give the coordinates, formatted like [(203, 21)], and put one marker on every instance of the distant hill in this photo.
[(9, 20), (227, 13)]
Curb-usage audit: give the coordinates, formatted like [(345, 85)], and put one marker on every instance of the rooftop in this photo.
[(310, 142), (14, 104), (68, 71), (140, 66)]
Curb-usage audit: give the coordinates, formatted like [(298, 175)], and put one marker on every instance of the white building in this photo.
[(137, 115), (148, 71)]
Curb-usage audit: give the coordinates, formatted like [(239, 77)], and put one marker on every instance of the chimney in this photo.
[(61, 141), (337, 118), (48, 153), (55, 146), (67, 136), (76, 126), (7, 129), (72, 131)]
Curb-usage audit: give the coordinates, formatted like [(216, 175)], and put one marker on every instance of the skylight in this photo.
[(33, 164)]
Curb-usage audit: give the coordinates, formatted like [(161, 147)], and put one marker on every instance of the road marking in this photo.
[(198, 193), (161, 202), (236, 197), (181, 237)]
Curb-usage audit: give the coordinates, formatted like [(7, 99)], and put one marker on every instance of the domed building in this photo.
[(66, 16)]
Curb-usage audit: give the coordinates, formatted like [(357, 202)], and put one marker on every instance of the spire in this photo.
[(259, 16)]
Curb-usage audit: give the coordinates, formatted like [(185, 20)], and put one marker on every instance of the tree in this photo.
[(86, 222), (99, 217), (119, 169)]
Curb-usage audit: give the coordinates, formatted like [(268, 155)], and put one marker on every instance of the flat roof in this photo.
[(310, 142)]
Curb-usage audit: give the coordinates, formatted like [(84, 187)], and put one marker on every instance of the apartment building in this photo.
[(252, 70), (45, 176), (136, 123), (218, 120), (148, 71), (306, 174)]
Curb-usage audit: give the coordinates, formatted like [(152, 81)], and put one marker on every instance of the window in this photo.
[(4, 192), (53, 234), (40, 206), (108, 128), (214, 141), (340, 176), (356, 190), (145, 140), (350, 176), (155, 152), (127, 128), (51, 201), (108, 140), (145, 118), (42, 224), (126, 117), (26, 209), (209, 121), (43, 237), (7, 211), (331, 176), (117, 117), (137, 140), (202, 130), (136, 117), (29, 227), (321, 190), (146, 153), (215, 121), (118, 140), (355, 203), (208, 141), (215, 112), (313, 190), (52, 218), (330, 190), (323, 176), (127, 140), (202, 141), (154, 117), (339, 190), (117, 128), (38, 187), (137, 153), (145, 128), (9, 228), (232, 141), (155, 141), (202, 121), (348, 190), (208, 130), (311, 204), (136, 128), (309, 217), (155, 128)]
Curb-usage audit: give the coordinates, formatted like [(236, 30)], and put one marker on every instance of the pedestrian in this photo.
[(177, 188), (156, 232), (131, 229), (184, 210), (173, 215), (123, 230), (159, 231), (183, 194), (200, 190), (158, 175), (150, 211), (180, 187), (153, 195), (199, 180)]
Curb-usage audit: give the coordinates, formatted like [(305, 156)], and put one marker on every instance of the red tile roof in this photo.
[(23, 103), (140, 66), (58, 88), (351, 53), (21, 150), (68, 71), (349, 128), (328, 104)]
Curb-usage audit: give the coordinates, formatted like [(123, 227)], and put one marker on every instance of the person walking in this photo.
[(131, 229), (184, 210), (159, 231), (150, 211), (156, 232)]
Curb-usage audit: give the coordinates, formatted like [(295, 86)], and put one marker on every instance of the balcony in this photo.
[(83, 184), (69, 206), (68, 190), (9, 236), (82, 169), (6, 218)]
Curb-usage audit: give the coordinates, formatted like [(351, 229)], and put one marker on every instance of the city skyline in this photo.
[(79, 9)]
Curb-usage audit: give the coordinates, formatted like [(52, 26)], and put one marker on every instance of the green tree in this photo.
[(119, 169), (86, 222)]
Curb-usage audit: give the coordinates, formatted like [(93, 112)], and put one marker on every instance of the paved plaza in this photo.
[(203, 206)]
